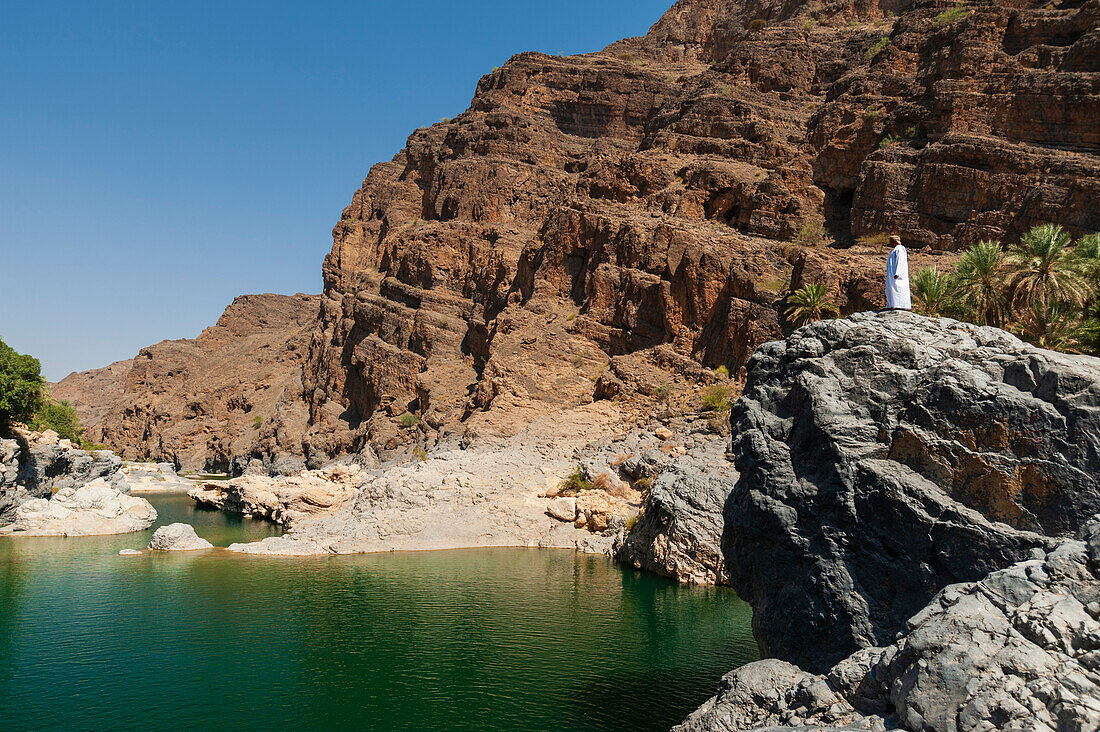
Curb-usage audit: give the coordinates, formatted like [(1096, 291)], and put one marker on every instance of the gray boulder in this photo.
[(680, 529), (1019, 649), (178, 537), (887, 455)]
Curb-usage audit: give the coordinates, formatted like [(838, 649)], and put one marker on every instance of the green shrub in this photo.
[(877, 48), (810, 232), (663, 392), (809, 25), (886, 142), (722, 371), (642, 485), (57, 416), (20, 386), (872, 115), (444, 119), (257, 421), (632, 521), (420, 454), (716, 398), (758, 24), (951, 15), (575, 482), (409, 420)]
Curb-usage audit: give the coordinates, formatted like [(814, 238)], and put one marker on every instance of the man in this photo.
[(897, 278)]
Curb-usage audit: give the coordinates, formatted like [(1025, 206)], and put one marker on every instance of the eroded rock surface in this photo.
[(1019, 649), (284, 500), (885, 456), (178, 538), (680, 530), (44, 464), (93, 509)]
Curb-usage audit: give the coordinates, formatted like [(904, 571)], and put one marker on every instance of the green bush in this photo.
[(758, 24), (57, 416), (716, 398), (886, 142), (809, 25), (632, 521), (420, 454), (722, 371), (257, 421), (409, 420), (575, 483), (810, 232), (951, 15), (663, 392), (20, 386), (877, 48)]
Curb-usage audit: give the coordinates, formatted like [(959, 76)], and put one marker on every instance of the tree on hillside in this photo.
[(20, 386), (980, 280), (809, 303), (57, 416)]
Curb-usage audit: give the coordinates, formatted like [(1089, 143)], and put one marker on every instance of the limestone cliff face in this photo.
[(233, 392), (659, 197)]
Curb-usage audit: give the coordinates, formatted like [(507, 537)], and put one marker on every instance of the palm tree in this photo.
[(980, 280), (1043, 271), (936, 291), (1055, 327), (809, 303)]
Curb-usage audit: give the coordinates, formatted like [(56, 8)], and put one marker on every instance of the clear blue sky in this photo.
[(157, 159)]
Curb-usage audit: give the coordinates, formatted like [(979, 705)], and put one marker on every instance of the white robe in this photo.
[(897, 280)]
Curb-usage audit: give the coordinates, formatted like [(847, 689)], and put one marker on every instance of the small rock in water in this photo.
[(178, 537), (129, 553)]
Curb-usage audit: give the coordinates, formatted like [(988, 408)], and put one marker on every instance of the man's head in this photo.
[(895, 241)]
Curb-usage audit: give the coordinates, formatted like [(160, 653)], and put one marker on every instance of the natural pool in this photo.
[(488, 639)]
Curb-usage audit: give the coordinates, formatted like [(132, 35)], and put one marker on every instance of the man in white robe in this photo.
[(897, 278)]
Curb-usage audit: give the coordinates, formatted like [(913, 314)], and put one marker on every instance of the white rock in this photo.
[(663, 433), (177, 538), (129, 552), (563, 509), (91, 510)]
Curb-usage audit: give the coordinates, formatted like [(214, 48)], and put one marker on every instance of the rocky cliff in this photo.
[(614, 224), (233, 392), (885, 456), (659, 197)]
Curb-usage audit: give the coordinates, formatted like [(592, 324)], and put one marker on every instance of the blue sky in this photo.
[(158, 159)]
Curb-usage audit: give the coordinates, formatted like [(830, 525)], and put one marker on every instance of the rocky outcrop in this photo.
[(679, 532), (178, 538), (39, 464), (150, 478), (284, 500), (93, 509), (231, 394), (1019, 649), (887, 455)]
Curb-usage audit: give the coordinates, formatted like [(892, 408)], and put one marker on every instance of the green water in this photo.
[(492, 639)]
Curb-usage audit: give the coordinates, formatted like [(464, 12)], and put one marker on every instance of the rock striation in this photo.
[(887, 455), (178, 538), (679, 533), (93, 509), (1019, 649)]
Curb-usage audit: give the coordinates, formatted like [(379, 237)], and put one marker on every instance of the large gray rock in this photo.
[(887, 455), (176, 538), (91, 510), (680, 529), (1018, 650), (51, 465)]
